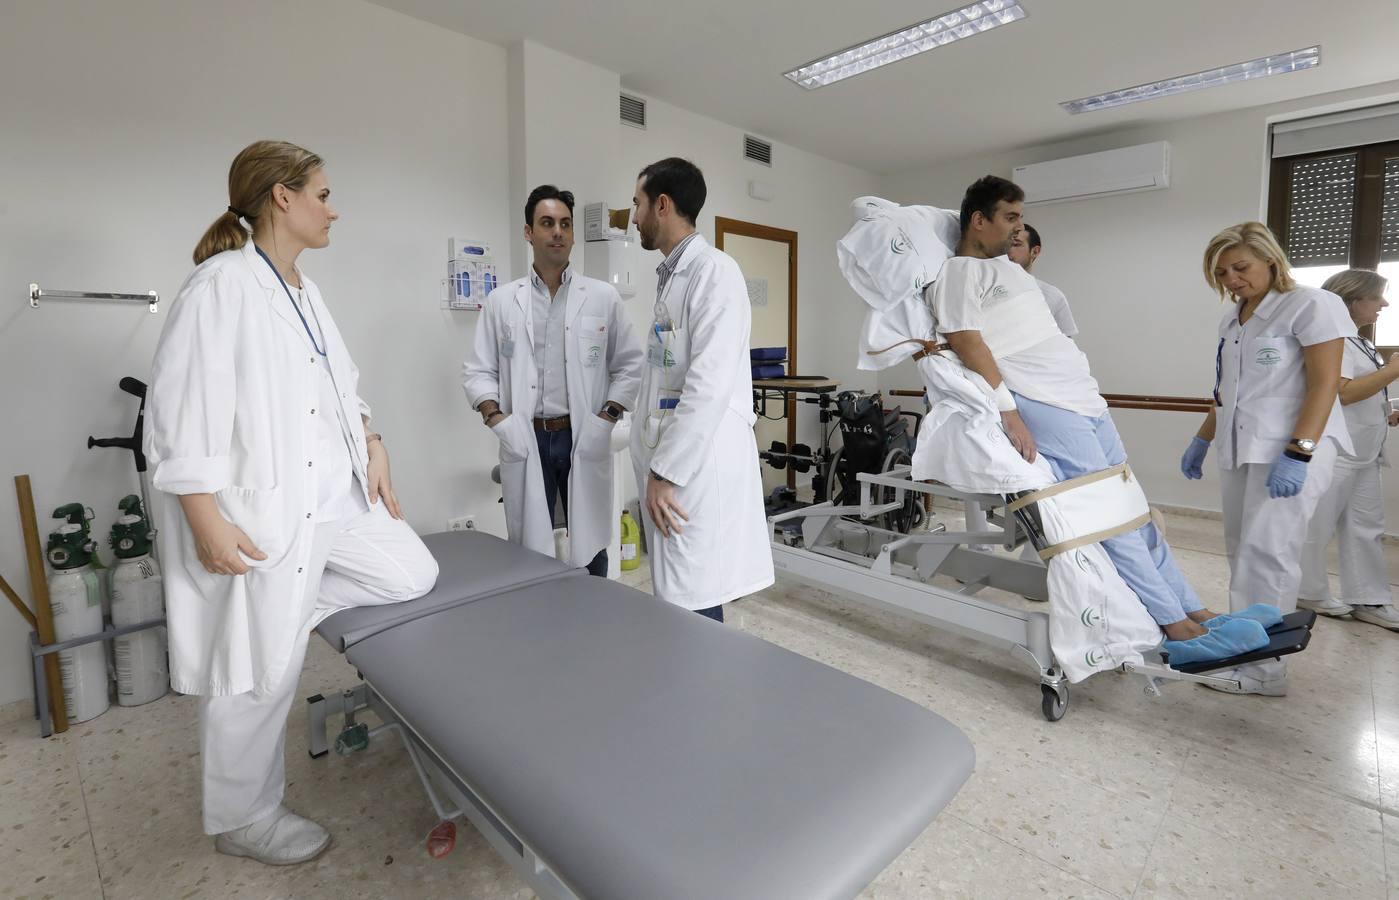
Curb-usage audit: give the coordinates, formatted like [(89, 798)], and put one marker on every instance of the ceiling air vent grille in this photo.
[(633, 111), (758, 150)]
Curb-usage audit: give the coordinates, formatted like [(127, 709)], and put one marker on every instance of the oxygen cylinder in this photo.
[(631, 542), (75, 593), (138, 595)]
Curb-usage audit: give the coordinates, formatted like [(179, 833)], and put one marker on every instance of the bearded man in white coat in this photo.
[(556, 365), (694, 452)]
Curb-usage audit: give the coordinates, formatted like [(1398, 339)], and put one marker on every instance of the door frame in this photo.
[(722, 227)]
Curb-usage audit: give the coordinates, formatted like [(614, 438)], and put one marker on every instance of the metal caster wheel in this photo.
[(1054, 703)]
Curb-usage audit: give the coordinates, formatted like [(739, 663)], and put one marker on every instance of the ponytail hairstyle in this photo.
[(255, 171)]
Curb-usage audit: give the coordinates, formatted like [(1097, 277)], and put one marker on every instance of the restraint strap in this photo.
[(1054, 489), (1054, 550), (929, 347)]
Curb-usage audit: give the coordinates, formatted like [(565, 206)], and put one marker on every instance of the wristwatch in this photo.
[(613, 410), (1305, 445)]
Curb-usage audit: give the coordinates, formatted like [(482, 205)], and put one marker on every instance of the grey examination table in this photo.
[(611, 746)]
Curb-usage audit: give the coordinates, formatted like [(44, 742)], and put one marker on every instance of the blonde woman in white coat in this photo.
[(278, 503), (1278, 418), (1353, 510)]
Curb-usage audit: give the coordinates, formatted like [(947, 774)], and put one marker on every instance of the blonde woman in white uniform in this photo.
[(1278, 418), (278, 505), (1353, 510)]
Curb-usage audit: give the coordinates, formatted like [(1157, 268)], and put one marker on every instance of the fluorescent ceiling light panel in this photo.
[(906, 42), (1282, 63)]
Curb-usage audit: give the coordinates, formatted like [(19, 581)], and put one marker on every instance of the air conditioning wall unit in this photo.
[(1127, 170)]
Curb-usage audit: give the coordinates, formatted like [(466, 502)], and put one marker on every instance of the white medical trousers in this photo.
[(1353, 512), (1263, 536), (367, 559)]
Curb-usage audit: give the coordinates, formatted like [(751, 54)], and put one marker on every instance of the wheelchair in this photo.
[(874, 440)]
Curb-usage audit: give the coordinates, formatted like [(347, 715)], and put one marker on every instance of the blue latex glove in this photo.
[(1287, 477), (1194, 458)]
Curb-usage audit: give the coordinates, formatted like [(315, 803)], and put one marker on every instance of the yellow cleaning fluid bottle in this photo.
[(631, 542)]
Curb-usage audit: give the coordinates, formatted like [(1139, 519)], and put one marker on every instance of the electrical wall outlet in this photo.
[(462, 523)]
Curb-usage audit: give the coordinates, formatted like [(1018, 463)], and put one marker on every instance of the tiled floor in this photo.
[(1193, 794)]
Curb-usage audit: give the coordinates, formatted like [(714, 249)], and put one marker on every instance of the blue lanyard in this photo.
[(295, 305), (1218, 371)]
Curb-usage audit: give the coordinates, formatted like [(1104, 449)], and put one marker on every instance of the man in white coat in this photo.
[(1025, 249), (693, 450), (556, 364)]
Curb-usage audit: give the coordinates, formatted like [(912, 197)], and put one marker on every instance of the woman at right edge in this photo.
[(1353, 510)]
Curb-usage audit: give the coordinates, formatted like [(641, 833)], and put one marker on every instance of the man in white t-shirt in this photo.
[(994, 316), (1025, 248)]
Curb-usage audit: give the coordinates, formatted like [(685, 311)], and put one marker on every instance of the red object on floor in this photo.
[(442, 839)]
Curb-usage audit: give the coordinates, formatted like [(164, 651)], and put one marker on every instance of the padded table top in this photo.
[(645, 751), (471, 564)]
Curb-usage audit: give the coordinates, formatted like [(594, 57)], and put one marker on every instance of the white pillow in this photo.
[(892, 252)]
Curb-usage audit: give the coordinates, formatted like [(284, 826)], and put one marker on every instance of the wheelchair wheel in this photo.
[(840, 489), (910, 513)]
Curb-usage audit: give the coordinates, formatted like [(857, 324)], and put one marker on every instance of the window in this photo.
[(1337, 209)]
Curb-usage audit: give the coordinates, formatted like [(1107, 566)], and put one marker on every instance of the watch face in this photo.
[(1306, 445)]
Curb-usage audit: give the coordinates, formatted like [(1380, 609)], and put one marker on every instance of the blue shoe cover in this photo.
[(1231, 637), (1265, 614)]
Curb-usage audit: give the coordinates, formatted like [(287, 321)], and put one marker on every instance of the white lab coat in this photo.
[(705, 445), (602, 362), (234, 396), (1261, 385), (1353, 509)]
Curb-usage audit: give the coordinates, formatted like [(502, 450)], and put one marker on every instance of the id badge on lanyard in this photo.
[(658, 348), (663, 333)]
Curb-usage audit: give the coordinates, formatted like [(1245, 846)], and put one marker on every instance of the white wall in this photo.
[(563, 133), (1130, 266), (120, 121)]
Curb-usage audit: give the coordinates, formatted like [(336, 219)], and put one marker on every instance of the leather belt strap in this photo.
[(558, 423), (1045, 493), (928, 347), (1054, 550)]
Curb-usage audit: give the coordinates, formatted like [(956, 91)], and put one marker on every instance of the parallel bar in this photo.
[(36, 293), (1126, 401)]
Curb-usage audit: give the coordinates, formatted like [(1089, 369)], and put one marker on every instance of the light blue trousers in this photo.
[(1077, 445)]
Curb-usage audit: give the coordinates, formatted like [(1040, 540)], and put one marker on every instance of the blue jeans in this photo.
[(1076, 445), (556, 459), (714, 612)]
